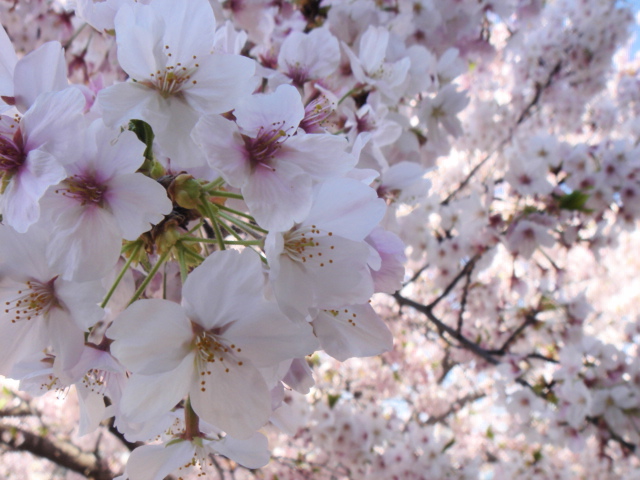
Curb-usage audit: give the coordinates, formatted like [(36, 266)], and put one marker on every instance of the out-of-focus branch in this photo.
[(455, 406), (526, 113), (443, 327), (61, 453), (463, 301), (465, 271), (528, 321)]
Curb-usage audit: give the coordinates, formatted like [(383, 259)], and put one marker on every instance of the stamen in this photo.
[(35, 300), (263, 148), (213, 352), (302, 245), (84, 188)]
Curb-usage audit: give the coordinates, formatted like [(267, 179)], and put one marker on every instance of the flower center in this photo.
[(36, 299), (308, 244), (262, 149), (173, 78), (83, 188), (212, 352), (12, 155), (315, 114), (96, 380)]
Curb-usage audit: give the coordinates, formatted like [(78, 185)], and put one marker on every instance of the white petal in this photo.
[(250, 453), (189, 27), (347, 208), (235, 398), (8, 59), (137, 202), (319, 155), (125, 101), (138, 31), (223, 146), (43, 70), (55, 119), (354, 331), (278, 197), (85, 244), (373, 48), (214, 303), (151, 336), (147, 397), (267, 337), (155, 462), (116, 153), (220, 83), (262, 111)]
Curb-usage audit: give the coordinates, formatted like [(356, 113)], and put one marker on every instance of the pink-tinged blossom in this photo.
[(261, 154), (440, 115), (528, 176), (40, 309), (165, 48), (526, 237), (323, 261), (215, 347), (102, 201), (369, 66), (31, 151), (575, 402), (309, 56)]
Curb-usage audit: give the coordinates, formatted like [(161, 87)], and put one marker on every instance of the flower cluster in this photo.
[(203, 201)]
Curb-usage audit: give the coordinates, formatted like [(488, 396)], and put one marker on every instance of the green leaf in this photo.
[(574, 201), (144, 132), (333, 399), (449, 445), (490, 434), (537, 456)]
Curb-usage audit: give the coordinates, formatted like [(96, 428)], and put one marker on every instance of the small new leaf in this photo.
[(574, 201)]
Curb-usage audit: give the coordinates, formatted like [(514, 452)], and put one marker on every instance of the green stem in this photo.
[(231, 230), (212, 214), (194, 229), (348, 94), (247, 227), (192, 254), (236, 212), (214, 241), (150, 276), (183, 263), (118, 279), (246, 243), (221, 193), (218, 182), (218, 232), (74, 36)]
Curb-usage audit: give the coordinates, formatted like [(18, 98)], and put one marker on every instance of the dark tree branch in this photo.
[(463, 301), (443, 327), (415, 275), (466, 270), (503, 350), (61, 453)]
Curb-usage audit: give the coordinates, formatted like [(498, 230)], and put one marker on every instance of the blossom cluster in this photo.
[(202, 200)]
